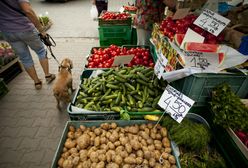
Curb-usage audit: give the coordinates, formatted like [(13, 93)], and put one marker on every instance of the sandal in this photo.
[(38, 85), (50, 78)]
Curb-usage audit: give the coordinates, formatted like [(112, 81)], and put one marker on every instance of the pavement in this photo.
[(31, 126)]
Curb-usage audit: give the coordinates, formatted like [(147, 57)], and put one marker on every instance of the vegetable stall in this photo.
[(174, 103)]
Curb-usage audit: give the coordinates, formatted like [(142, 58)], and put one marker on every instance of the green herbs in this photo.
[(228, 110), (188, 134)]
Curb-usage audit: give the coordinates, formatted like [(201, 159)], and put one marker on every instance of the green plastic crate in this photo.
[(118, 35), (97, 124), (199, 86), (3, 88)]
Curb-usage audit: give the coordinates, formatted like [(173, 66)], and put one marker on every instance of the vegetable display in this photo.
[(228, 110), (111, 146), (104, 57), (115, 16), (170, 27), (135, 88), (130, 8)]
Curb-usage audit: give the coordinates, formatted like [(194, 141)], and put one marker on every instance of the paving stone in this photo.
[(39, 166), (44, 132), (9, 165), (57, 133), (49, 144), (10, 132), (32, 157), (43, 122), (28, 132), (8, 155), (10, 143), (29, 144), (25, 122)]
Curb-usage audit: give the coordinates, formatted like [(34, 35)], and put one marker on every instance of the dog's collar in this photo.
[(63, 67)]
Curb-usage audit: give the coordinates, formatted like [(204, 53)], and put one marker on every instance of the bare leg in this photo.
[(32, 73), (45, 66)]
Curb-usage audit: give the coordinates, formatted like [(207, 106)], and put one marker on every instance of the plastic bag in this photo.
[(93, 12)]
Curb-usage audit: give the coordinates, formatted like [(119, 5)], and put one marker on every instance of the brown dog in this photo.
[(63, 83)]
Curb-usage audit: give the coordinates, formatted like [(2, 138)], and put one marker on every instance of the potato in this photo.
[(98, 131), (112, 165), (92, 134), (173, 166), (158, 146), (97, 141), (118, 159), (105, 126), (70, 134), (166, 142), (139, 160), (158, 137), (144, 135), (127, 166), (152, 162), (94, 157), (103, 140), (166, 164), (147, 155), (144, 148), (80, 165), (172, 159), (140, 153), (145, 162), (157, 155), (72, 128), (111, 145), (123, 154), (83, 155), (130, 160), (153, 135), (67, 164), (65, 149), (142, 126), (122, 130), (147, 131), (75, 155), (101, 151), (143, 142), (114, 137), (100, 165), (82, 127), (104, 147), (70, 143), (87, 164), (108, 157), (165, 156), (108, 134), (75, 161), (157, 165), (93, 128), (113, 125), (150, 125), (65, 155), (123, 140), (78, 133), (163, 132), (117, 143), (133, 155), (151, 147), (133, 129), (83, 141), (128, 148), (167, 150), (135, 144), (61, 161), (119, 148), (93, 165), (73, 150), (102, 157)]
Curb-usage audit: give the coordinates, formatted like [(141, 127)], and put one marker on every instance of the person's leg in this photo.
[(35, 44), (21, 49)]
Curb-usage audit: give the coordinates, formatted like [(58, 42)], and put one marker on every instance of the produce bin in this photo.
[(114, 22), (118, 35), (3, 88), (97, 123), (199, 86)]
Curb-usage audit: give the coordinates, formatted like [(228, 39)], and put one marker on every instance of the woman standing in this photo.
[(148, 12), (101, 5)]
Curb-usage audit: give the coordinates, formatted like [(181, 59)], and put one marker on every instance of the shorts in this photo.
[(20, 41)]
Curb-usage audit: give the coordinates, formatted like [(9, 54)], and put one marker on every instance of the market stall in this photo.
[(189, 82)]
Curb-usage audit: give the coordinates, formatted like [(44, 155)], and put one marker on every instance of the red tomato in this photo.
[(151, 64)]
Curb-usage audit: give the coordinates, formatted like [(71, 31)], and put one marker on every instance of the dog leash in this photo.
[(49, 42)]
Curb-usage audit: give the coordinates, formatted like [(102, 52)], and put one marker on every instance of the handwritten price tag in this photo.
[(203, 60), (122, 59), (211, 22), (175, 103)]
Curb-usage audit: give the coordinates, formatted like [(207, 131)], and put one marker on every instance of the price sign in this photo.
[(211, 22), (122, 59), (158, 69), (175, 103), (121, 10), (203, 60)]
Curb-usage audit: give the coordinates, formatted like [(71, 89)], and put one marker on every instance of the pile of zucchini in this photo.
[(135, 89)]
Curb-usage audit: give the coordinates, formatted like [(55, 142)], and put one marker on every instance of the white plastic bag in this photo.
[(93, 12)]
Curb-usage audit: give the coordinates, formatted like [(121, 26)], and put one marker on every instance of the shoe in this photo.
[(38, 85), (50, 78)]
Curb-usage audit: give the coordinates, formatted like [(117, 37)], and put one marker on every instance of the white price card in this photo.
[(211, 22), (175, 103), (121, 10), (122, 59), (203, 60), (192, 36), (158, 69)]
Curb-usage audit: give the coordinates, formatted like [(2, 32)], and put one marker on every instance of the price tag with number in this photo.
[(175, 103), (158, 69), (211, 22), (203, 60)]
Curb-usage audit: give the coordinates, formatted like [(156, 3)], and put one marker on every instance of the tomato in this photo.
[(146, 58), (100, 65), (96, 61), (151, 64), (105, 56), (107, 65)]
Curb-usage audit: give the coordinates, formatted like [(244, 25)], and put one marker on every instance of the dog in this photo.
[(62, 88)]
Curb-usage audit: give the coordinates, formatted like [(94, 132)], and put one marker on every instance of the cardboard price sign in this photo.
[(122, 60), (203, 60), (175, 103), (160, 65), (211, 22)]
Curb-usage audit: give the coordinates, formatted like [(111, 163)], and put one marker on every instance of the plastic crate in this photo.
[(118, 35), (113, 22), (3, 88), (199, 86), (76, 124)]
